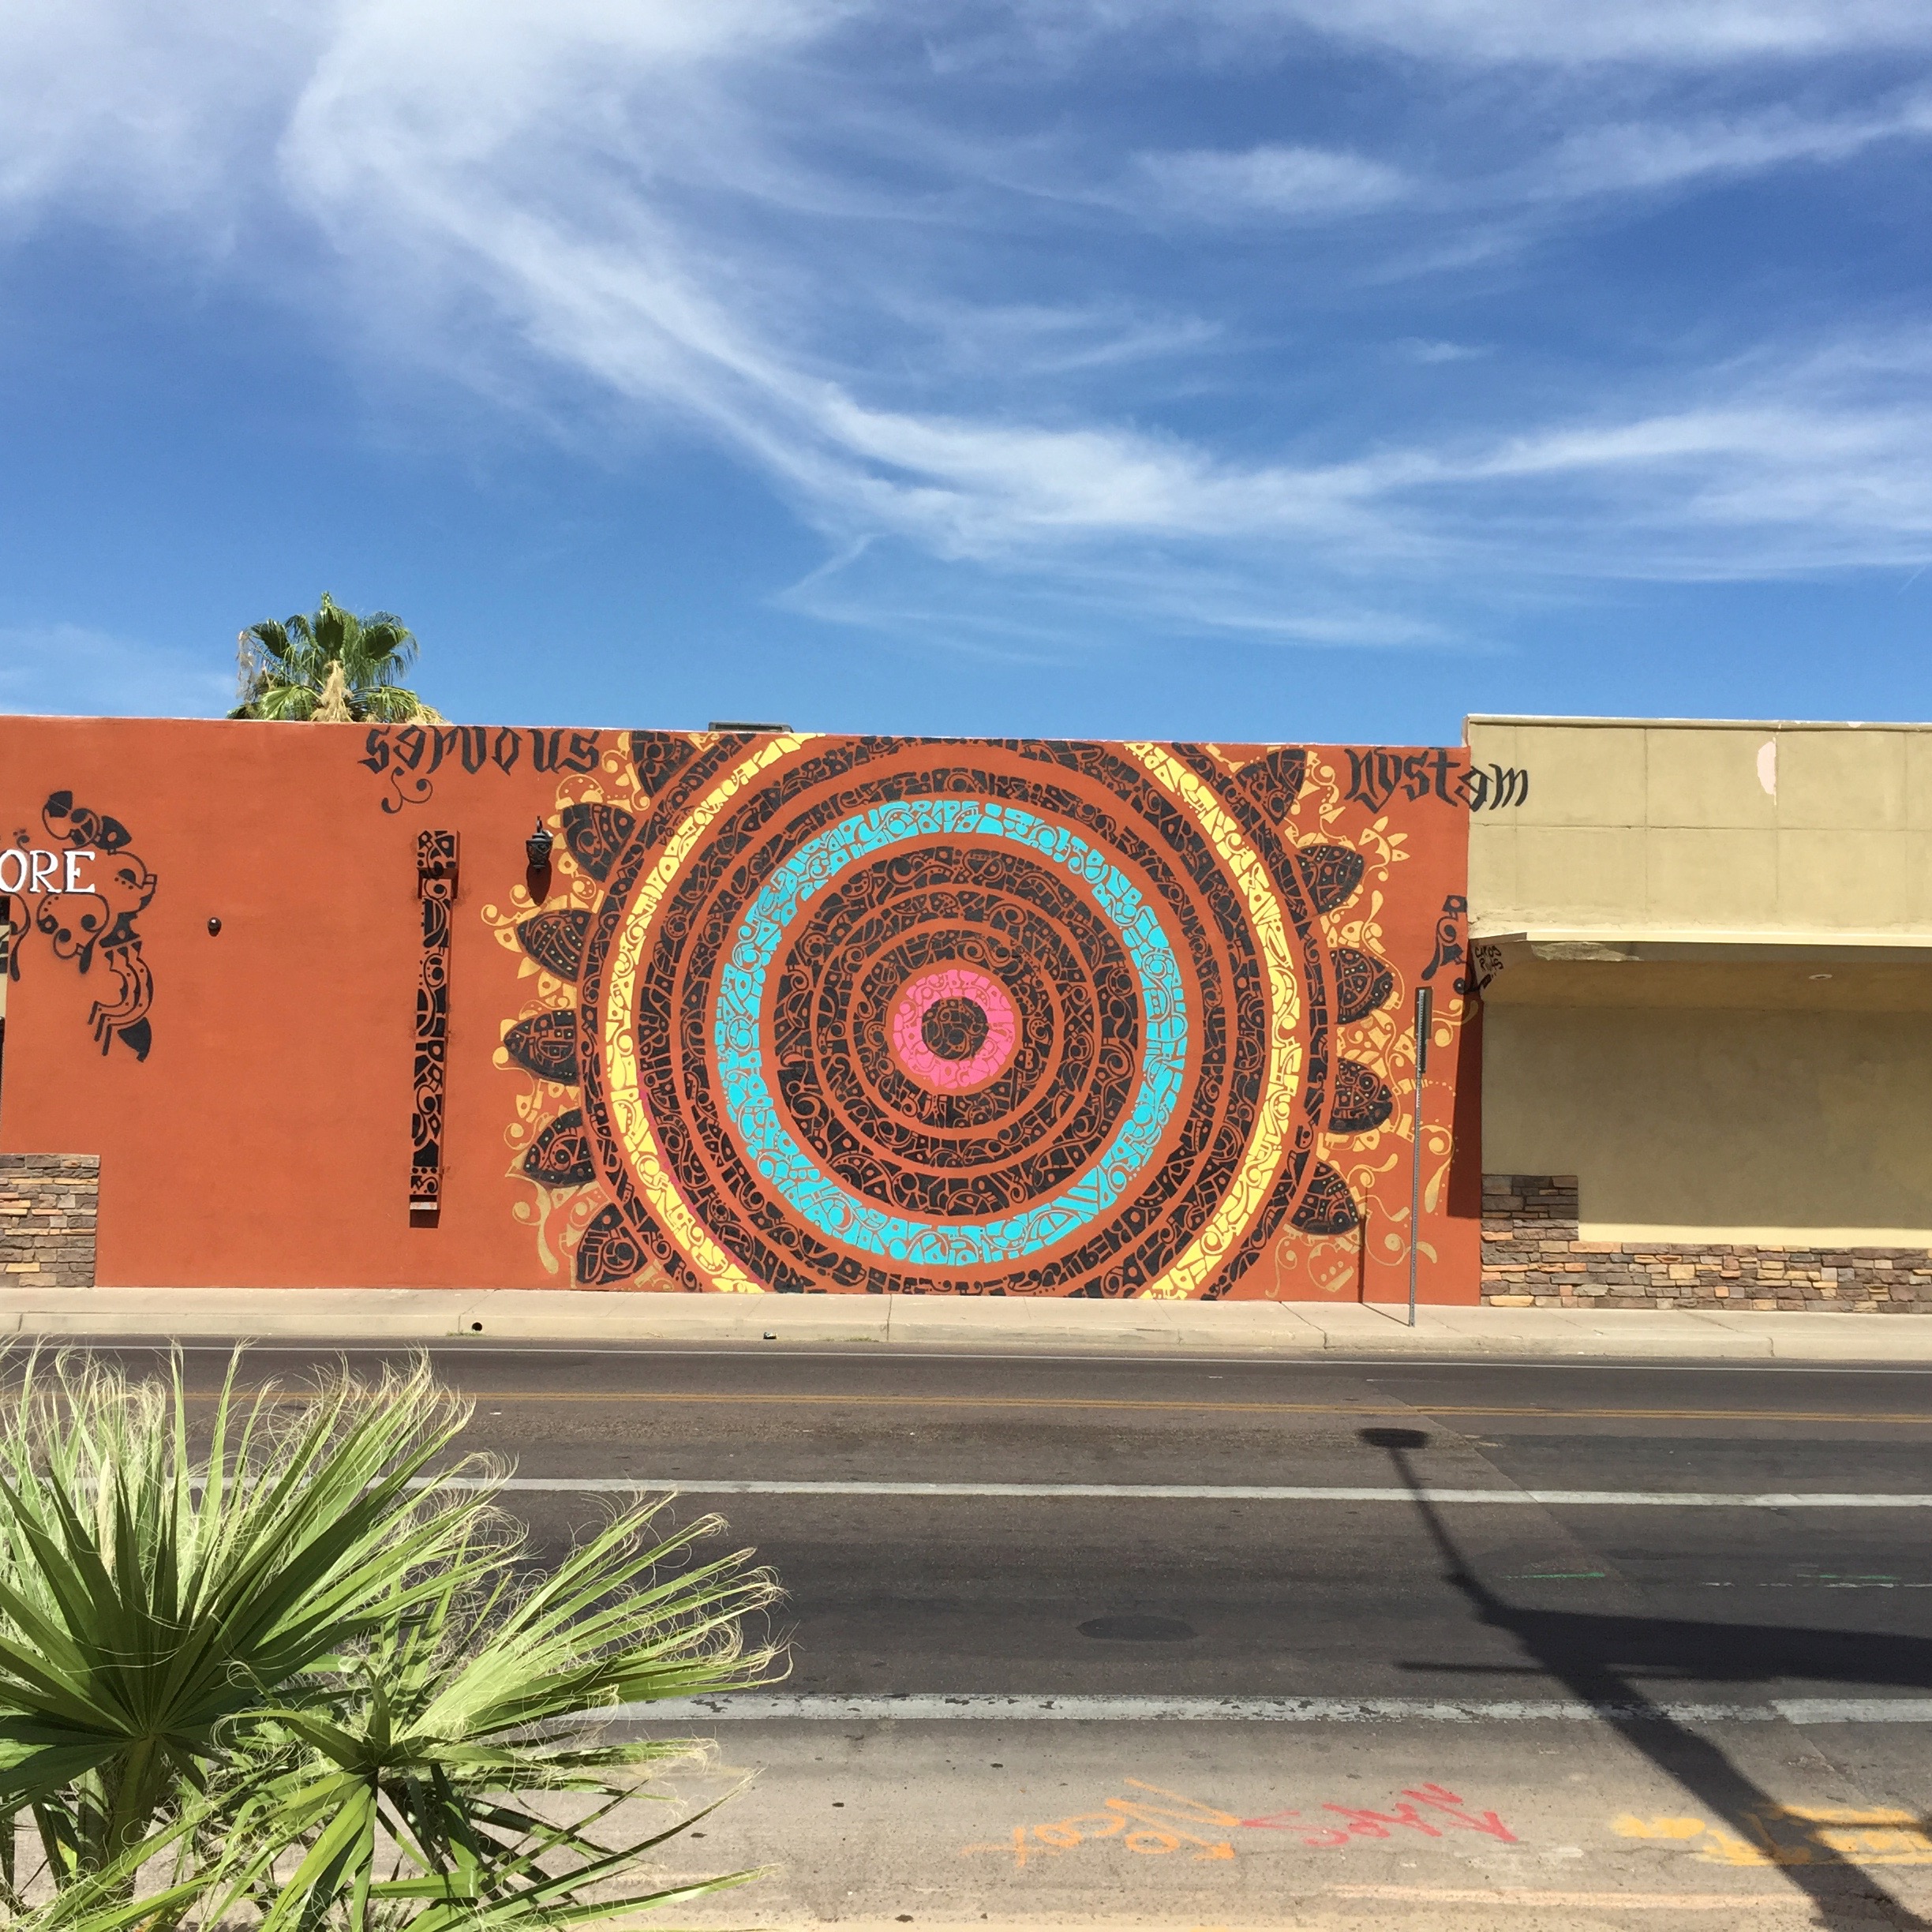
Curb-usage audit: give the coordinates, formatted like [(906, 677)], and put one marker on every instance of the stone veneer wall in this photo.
[(47, 1219), (1533, 1257)]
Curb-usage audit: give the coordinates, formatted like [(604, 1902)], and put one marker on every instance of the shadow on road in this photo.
[(1597, 1658)]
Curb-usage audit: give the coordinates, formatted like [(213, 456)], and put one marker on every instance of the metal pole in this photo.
[(1415, 1170)]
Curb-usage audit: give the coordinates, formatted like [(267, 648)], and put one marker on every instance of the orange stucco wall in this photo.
[(265, 1138)]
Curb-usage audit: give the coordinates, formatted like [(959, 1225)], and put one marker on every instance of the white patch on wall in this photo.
[(1767, 767)]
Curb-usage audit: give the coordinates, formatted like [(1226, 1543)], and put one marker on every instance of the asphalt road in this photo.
[(1680, 1636)]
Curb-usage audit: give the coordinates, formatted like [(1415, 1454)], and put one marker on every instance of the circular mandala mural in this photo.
[(908, 1016)]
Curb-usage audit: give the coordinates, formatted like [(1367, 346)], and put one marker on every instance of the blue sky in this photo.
[(1282, 369)]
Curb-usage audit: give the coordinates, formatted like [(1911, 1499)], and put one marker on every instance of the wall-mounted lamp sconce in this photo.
[(536, 847)]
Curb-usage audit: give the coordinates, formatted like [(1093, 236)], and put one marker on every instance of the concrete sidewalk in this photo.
[(1183, 1327)]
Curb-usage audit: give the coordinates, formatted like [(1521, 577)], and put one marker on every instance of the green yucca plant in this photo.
[(456, 1717), (111, 1899), (310, 1666)]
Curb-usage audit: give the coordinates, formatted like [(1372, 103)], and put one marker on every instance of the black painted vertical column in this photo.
[(436, 887)]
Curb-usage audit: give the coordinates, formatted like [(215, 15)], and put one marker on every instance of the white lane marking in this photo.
[(929, 1707), (1202, 1493), (1854, 1710), (1795, 1583)]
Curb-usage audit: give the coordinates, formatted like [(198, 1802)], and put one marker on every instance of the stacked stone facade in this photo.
[(47, 1219), (1533, 1257)]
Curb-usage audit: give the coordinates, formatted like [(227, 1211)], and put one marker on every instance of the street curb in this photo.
[(336, 1316)]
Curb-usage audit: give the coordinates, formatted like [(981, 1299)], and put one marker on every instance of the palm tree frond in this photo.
[(329, 667)]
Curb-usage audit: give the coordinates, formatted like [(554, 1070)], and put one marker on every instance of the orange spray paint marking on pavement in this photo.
[(1158, 1830), (1147, 1829), (1362, 1824)]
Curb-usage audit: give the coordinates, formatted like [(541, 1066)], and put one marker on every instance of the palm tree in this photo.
[(334, 667)]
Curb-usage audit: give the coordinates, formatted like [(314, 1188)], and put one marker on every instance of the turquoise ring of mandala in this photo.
[(835, 1209)]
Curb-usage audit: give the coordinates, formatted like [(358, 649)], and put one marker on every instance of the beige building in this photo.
[(1705, 953)]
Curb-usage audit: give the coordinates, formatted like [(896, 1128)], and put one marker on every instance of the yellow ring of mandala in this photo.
[(630, 1116), (1261, 1159)]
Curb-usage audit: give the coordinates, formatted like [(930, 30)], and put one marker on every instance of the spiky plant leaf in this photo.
[(315, 1659), (142, 1614)]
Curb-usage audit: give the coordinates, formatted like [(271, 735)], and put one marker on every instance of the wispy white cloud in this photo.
[(1013, 615), (64, 668), (972, 487), (1042, 340), (699, 214), (1625, 156), (140, 111), (1616, 158), (1428, 353), (1279, 182), (1690, 33)]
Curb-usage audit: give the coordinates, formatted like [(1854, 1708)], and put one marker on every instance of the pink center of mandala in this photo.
[(954, 1028)]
